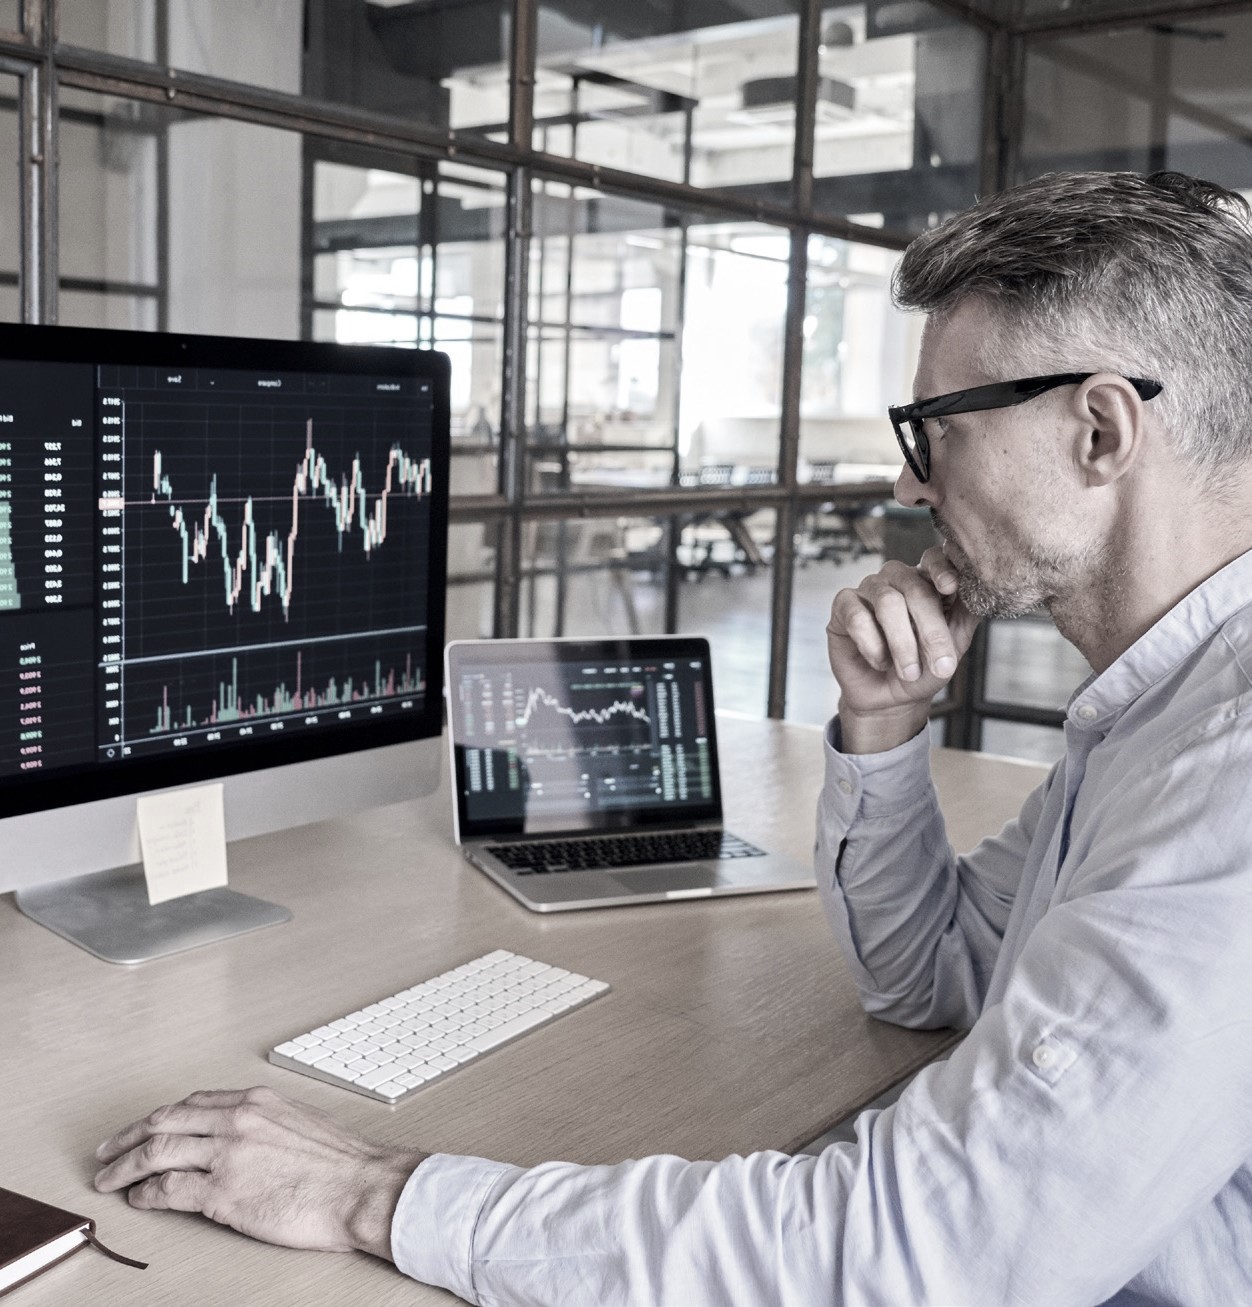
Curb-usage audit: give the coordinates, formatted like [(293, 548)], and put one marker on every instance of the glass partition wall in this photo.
[(656, 242)]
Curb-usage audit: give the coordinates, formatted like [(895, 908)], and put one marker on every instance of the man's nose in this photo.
[(912, 493)]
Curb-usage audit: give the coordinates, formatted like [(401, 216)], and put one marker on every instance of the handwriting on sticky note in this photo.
[(183, 838)]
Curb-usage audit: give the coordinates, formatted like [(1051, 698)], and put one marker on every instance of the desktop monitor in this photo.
[(220, 560)]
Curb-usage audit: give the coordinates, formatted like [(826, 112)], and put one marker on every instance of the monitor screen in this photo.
[(218, 558)]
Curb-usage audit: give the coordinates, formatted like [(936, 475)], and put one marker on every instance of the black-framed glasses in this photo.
[(909, 420)]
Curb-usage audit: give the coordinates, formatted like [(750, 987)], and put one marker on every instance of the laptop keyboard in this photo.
[(535, 857)]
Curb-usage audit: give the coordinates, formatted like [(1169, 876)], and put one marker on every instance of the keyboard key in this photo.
[(372, 1079), (390, 1048), (332, 1066), (510, 1030)]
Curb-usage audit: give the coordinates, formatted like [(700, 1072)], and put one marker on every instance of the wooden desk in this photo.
[(732, 1026)]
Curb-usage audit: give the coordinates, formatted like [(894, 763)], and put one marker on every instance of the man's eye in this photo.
[(934, 428)]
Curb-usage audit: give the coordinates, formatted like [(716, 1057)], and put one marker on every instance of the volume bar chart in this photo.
[(229, 705), (272, 687)]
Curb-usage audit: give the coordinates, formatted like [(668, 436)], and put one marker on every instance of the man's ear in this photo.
[(1112, 428)]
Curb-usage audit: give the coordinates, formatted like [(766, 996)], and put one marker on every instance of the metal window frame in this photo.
[(42, 64)]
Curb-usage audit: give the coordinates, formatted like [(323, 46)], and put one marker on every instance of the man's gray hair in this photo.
[(1093, 271)]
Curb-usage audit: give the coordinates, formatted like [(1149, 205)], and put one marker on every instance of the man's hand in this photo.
[(894, 643), (267, 1166)]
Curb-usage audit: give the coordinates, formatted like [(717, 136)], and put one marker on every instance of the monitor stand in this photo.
[(109, 915)]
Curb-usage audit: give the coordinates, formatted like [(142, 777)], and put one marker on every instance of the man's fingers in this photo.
[(156, 1156), (904, 619), (892, 611), (176, 1118), (850, 619), (175, 1191), (934, 636), (224, 1097), (936, 567)]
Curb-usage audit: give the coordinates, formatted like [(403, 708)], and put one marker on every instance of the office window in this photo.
[(727, 583), (113, 169), (11, 15), (1022, 740), (899, 114), (602, 361), (1030, 662), (860, 354), (607, 576), (177, 221), (471, 557), (812, 691), (234, 39), (706, 97), (731, 385), (593, 576), (445, 66), (410, 252), (1143, 98)]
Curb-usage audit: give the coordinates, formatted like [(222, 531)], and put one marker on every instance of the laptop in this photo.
[(585, 773)]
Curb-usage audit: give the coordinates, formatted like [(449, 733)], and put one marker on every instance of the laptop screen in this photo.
[(578, 735)]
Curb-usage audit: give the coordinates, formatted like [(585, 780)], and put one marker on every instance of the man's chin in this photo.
[(983, 601)]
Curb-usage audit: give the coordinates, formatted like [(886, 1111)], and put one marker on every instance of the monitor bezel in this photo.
[(70, 787)]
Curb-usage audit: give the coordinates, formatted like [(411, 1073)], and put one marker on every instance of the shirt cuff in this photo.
[(432, 1232), (875, 784)]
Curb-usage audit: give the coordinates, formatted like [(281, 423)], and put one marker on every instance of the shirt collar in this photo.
[(1099, 700)]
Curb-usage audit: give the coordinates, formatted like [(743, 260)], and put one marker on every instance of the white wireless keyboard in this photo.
[(394, 1046)]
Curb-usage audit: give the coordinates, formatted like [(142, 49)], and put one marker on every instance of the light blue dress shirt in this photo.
[(1091, 1138)]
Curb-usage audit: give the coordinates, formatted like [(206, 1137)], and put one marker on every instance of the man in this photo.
[(1083, 439)]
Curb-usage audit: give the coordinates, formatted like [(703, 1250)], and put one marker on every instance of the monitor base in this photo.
[(109, 915)]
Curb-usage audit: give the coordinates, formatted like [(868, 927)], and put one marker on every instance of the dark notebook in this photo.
[(35, 1235)]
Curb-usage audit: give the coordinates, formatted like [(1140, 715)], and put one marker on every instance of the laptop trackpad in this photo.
[(655, 880)]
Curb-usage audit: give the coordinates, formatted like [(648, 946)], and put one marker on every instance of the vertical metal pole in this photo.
[(163, 183), (426, 238), (672, 536), (1158, 105), (567, 350), (1003, 88), (308, 279), (513, 380), (793, 358), (37, 124), (969, 688)]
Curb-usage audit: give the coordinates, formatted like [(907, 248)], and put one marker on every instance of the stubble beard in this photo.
[(1027, 590)]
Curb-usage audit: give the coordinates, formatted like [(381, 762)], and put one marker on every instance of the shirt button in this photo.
[(1087, 713), (1042, 1057), (846, 786)]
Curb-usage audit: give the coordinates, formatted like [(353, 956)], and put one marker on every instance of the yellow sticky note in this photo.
[(183, 838)]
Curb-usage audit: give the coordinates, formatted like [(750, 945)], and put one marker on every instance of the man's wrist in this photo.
[(369, 1224), (880, 731)]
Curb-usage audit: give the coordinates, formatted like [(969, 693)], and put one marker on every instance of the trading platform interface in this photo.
[(200, 557), (553, 743)]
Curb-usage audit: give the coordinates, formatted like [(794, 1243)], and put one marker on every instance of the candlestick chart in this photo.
[(267, 558)]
